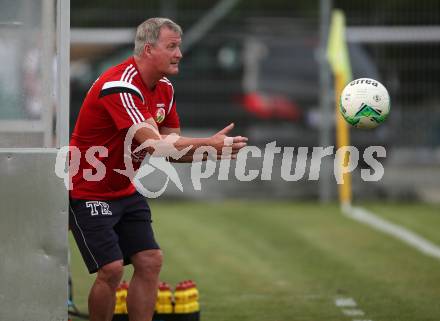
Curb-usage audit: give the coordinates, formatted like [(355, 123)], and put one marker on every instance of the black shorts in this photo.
[(107, 231)]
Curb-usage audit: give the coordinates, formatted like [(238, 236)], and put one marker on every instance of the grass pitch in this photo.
[(272, 261)]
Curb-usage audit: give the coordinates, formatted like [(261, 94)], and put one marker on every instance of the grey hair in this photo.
[(149, 30)]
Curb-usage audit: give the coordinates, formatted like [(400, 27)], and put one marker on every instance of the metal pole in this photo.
[(207, 22), (168, 8), (47, 56), (63, 64), (326, 102)]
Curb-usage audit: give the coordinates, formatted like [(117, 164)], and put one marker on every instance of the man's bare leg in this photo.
[(142, 291), (102, 295)]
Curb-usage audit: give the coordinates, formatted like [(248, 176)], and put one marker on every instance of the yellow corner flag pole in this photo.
[(339, 59)]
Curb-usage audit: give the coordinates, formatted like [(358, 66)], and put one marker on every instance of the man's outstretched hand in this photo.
[(221, 139)]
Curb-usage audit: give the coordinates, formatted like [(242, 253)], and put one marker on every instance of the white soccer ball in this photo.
[(365, 103)]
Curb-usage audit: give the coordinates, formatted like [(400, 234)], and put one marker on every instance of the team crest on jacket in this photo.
[(160, 115)]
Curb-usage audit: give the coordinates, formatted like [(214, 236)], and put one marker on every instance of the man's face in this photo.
[(166, 52)]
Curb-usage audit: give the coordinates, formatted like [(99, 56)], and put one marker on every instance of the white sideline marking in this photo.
[(353, 312), (399, 232), (345, 302)]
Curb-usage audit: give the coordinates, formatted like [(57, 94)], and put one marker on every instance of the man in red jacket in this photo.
[(110, 220)]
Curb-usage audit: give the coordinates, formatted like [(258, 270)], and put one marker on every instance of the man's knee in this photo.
[(149, 261), (111, 273)]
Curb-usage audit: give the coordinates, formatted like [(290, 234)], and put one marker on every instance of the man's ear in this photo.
[(147, 49)]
